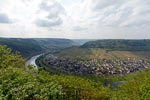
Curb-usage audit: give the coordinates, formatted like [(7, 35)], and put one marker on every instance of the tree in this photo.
[(8, 58)]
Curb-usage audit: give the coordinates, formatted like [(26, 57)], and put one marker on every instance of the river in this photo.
[(32, 60)]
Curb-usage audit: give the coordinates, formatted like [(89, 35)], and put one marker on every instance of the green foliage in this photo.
[(77, 88), (136, 89), (7, 58), (29, 84), (20, 82)]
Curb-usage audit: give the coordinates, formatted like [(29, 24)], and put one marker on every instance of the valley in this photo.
[(74, 72), (91, 57)]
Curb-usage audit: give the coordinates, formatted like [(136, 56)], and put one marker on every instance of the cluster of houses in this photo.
[(96, 66)]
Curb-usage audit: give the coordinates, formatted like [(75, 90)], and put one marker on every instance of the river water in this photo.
[(32, 60)]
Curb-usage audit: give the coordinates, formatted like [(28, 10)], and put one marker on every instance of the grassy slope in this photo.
[(73, 52), (98, 53)]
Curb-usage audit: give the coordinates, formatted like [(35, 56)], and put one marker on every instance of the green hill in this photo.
[(122, 45), (32, 46)]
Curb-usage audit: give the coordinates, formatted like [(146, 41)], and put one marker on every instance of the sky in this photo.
[(75, 19)]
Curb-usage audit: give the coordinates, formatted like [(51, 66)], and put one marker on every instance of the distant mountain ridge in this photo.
[(28, 46), (82, 41), (119, 44)]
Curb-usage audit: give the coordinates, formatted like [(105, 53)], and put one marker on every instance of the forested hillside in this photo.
[(123, 45), (20, 82), (32, 46)]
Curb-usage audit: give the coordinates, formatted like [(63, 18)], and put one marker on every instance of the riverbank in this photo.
[(32, 60)]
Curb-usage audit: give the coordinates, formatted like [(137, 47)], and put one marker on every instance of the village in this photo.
[(96, 66)]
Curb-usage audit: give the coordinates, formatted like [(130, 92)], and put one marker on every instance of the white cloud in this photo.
[(75, 18), (47, 23)]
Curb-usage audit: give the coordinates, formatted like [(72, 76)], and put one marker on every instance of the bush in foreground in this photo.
[(20, 82)]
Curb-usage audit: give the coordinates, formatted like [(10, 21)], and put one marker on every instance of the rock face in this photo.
[(96, 67)]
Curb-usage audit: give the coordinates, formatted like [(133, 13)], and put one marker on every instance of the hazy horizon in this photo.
[(79, 38)]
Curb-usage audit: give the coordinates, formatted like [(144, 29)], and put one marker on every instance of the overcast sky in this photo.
[(92, 19)]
